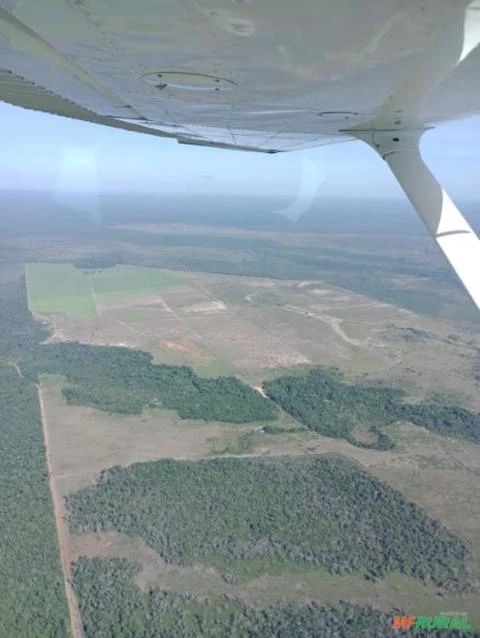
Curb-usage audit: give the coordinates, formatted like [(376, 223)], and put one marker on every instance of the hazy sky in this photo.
[(48, 152)]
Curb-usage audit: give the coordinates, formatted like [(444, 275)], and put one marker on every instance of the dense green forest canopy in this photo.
[(111, 604), (18, 330), (126, 381), (325, 403), (32, 592), (98, 262), (321, 510)]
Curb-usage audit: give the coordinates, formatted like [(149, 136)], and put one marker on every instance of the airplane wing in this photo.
[(258, 75), (255, 74)]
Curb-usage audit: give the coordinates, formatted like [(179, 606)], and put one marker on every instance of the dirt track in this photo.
[(62, 534)]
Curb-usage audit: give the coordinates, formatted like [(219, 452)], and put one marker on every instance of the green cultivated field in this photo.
[(130, 281), (61, 288)]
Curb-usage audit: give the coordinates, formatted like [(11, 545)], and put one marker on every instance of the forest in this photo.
[(112, 604), (32, 591), (322, 510), (126, 381), (322, 401), (319, 510), (98, 262), (18, 330)]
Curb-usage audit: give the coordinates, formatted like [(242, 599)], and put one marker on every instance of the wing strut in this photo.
[(398, 126), (460, 245)]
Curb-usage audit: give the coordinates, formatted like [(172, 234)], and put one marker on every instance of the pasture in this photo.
[(61, 289)]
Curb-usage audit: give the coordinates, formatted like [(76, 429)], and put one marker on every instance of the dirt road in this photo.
[(62, 534)]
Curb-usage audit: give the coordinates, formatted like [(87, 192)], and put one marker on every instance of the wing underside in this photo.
[(255, 75)]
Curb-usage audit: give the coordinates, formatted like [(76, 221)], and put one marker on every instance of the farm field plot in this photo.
[(59, 289), (122, 282), (76, 294)]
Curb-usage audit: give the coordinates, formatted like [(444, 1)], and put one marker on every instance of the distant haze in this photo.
[(46, 152), (48, 213)]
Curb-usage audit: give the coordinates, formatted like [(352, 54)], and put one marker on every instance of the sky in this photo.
[(57, 154)]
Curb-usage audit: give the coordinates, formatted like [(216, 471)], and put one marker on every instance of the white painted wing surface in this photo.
[(266, 75)]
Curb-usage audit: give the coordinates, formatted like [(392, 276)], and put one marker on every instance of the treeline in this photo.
[(449, 420), (363, 268), (18, 330), (99, 261), (120, 379), (126, 381), (325, 403), (112, 605), (321, 510), (368, 271), (32, 591)]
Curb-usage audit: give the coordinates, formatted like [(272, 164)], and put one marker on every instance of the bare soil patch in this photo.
[(179, 346), (258, 325)]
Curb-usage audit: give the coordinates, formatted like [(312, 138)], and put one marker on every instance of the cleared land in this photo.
[(110, 598), (262, 583), (84, 441), (259, 328)]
